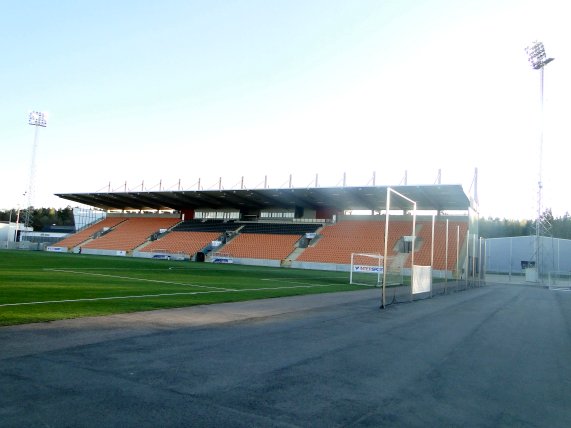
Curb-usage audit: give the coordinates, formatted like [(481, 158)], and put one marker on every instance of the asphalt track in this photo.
[(499, 355)]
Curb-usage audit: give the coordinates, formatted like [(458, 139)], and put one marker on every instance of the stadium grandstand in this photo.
[(308, 228)]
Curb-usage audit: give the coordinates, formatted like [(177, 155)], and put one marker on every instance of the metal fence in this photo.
[(514, 256)]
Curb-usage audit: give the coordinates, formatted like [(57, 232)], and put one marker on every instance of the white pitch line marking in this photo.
[(163, 295), (139, 279)]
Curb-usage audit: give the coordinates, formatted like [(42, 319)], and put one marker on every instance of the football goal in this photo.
[(368, 269)]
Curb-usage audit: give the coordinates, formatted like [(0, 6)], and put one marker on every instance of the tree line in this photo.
[(557, 227), (41, 217)]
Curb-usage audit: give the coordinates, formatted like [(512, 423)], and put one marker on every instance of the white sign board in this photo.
[(421, 279)]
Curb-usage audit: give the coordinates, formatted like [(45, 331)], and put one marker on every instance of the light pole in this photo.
[(37, 119), (538, 60), (17, 224)]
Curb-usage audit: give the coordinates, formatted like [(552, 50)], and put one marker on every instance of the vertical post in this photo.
[(538, 60), (413, 251), (538, 258), (467, 256), (383, 304), (558, 256), (446, 259), (485, 267), (17, 225), (265, 182), (458, 273), (474, 265), (31, 186), (37, 119), (480, 264), (351, 271), (432, 253)]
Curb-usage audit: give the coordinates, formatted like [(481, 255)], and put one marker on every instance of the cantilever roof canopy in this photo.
[(427, 197)]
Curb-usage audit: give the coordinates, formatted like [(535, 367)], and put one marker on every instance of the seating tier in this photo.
[(131, 233)]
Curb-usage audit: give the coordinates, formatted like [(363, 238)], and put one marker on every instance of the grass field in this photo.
[(41, 286)]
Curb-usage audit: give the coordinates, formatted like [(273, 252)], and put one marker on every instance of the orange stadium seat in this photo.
[(182, 242), (131, 233), (338, 241), (261, 246), (85, 234)]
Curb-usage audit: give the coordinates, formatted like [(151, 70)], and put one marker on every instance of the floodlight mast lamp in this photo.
[(37, 119), (538, 60)]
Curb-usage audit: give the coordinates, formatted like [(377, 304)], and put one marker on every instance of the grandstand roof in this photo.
[(428, 197)]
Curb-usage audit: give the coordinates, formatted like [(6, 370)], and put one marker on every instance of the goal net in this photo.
[(368, 269)]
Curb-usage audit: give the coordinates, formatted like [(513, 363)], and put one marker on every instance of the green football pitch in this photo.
[(42, 286)]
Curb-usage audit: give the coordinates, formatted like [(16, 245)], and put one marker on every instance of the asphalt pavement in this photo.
[(497, 355)]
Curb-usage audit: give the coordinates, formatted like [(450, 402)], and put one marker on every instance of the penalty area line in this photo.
[(143, 296)]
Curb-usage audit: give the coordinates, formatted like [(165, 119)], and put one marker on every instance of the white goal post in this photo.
[(366, 269)]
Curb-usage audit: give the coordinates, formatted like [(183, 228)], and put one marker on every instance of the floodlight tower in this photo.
[(538, 60), (37, 119)]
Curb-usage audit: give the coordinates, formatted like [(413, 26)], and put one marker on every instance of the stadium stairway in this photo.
[(291, 257)]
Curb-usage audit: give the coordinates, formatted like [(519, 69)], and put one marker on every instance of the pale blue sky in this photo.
[(149, 91)]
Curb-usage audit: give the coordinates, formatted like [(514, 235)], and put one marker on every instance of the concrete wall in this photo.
[(148, 255), (320, 266), (97, 252), (256, 262)]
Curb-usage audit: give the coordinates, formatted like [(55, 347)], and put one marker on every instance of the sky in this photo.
[(147, 95)]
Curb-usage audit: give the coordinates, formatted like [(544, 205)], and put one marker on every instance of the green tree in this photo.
[(499, 228), (558, 227), (42, 217)]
